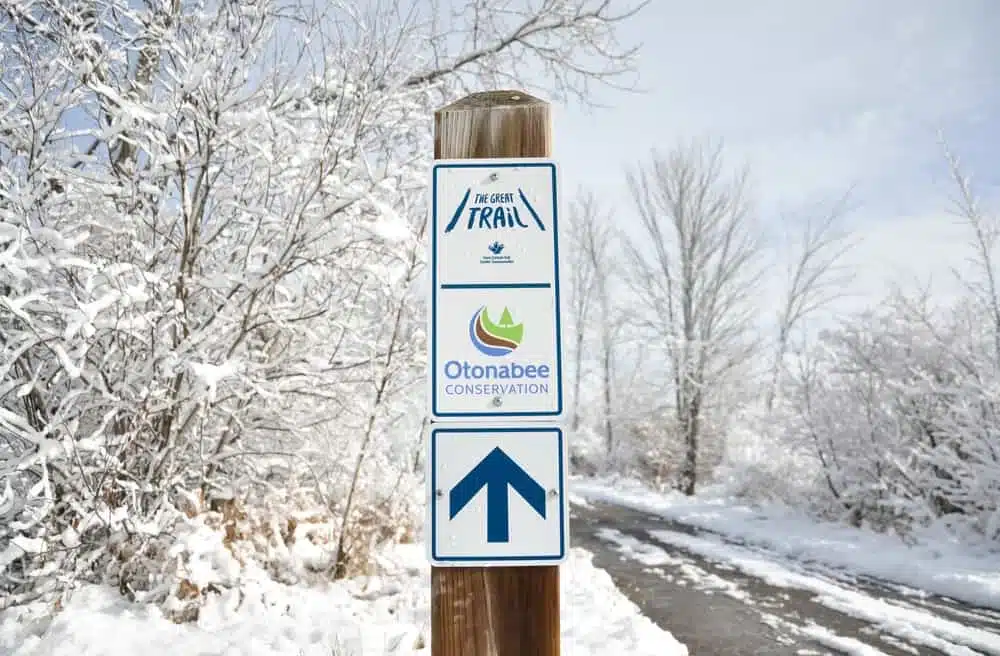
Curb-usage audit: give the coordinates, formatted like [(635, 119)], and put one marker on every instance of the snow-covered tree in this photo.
[(815, 278), (592, 245), (212, 229), (694, 269)]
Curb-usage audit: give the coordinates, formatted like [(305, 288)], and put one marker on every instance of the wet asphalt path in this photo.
[(718, 610)]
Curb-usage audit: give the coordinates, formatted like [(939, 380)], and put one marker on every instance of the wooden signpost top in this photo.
[(494, 611), (493, 124)]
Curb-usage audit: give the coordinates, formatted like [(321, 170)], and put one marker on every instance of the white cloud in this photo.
[(921, 250), (818, 97)]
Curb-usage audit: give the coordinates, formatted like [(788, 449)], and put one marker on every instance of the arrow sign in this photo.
[(496, 472), (504, 459)]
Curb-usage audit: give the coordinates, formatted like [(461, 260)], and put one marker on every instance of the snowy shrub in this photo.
[(900, 408), (206, 283)]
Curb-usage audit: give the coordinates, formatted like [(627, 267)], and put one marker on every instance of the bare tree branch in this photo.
[(815, 279)]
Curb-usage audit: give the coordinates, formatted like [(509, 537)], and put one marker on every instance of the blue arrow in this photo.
[(495, 472)]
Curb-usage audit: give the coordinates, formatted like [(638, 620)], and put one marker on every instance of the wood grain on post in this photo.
[(494, 611)]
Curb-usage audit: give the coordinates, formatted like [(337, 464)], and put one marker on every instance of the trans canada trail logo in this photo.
[(495, 339), (496, 255)]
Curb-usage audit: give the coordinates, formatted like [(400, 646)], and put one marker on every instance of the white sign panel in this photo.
[(495, 347), (497, 496)]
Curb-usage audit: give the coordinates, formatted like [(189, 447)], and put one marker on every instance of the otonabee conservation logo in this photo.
[(495, 339)]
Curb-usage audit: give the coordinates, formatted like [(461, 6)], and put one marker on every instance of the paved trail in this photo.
[(717, 609)]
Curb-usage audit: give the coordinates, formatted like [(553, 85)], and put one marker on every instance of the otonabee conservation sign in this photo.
[(495, 347)]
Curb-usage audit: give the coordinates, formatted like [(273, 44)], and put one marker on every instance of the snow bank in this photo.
[(935, 564), (599, 620), (360, 617), (912, 624), (916, 625)]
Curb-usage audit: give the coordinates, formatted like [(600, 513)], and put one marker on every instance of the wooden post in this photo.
[(494, 611)]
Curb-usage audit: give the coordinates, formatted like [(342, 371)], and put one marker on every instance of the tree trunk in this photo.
[(578, 357), (690, 425), (776, 366), (608, 430)]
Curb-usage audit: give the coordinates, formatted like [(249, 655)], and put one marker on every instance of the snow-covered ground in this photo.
[(910, 623), (360, 617), (935, 564)]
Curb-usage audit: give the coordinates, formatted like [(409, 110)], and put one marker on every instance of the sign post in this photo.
[(497, 514)]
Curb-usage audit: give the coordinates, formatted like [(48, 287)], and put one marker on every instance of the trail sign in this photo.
[(494, 352), (497, 495), (495, 347)]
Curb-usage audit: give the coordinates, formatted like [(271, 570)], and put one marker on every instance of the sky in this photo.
[(816, 97)]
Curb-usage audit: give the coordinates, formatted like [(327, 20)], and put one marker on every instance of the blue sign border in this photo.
[(435, 288), (480, 432)]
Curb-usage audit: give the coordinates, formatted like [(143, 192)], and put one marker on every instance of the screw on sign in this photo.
[(501, 358)]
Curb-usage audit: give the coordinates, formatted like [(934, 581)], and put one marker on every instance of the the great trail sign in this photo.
[(495, 347), (497, 495)]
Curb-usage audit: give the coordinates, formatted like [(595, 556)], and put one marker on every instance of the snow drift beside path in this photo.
[(936, 566), (361, 617), (891, 620), (599, 620)]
